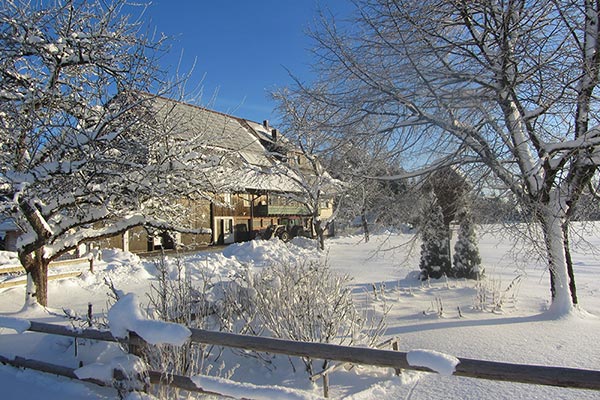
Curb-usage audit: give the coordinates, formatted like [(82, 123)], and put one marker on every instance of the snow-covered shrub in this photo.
[(467, 262), (305, 302), (489, 295), (435, 240), (174, 298), (288, 299), (436, 307)]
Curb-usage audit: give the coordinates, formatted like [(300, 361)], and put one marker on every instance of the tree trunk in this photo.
[(570, 272), (552, 223), (37, 271), (365, 224), (320, 232)]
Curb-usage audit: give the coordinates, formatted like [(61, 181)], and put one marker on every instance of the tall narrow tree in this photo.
[(466, 259), (435, 255)]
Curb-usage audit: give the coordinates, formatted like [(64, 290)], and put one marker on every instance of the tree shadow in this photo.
[(410, 282), (468, 323)]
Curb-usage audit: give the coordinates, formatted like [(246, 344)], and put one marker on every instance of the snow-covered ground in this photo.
[(501, 318)]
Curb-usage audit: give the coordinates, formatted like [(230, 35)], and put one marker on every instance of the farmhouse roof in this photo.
[(247, 146)]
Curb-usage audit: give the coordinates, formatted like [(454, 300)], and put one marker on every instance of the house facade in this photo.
[(247, 202)]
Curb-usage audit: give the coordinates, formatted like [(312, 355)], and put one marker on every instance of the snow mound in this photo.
[(121, 266), (413, 276), (16, 324), (9, 259), (128, 364), (126, 316), (215, 264), (120, 257), (305, 243), (259, 252), (441, 363), (262, 253)]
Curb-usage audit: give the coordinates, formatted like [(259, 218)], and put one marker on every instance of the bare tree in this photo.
[(508, 85), (84, 153), (365, 164), (312, 184)]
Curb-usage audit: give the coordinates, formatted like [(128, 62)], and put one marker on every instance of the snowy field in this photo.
[(501, 318)]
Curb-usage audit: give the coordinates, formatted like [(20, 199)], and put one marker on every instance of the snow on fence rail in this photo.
[(491, 370)]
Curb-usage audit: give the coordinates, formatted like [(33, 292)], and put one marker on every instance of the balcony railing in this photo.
[(267, 210)]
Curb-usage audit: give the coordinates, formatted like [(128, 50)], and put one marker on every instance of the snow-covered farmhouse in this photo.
[(252, 188), (252, 183)]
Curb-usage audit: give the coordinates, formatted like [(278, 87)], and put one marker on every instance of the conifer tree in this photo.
[(467, 262), (434, 262)]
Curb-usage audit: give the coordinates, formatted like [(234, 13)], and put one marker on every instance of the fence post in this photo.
[(326, 385), (395, 348), (90, 314), (136, 346)]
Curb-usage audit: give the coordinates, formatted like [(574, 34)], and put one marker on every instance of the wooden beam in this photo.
[(42, 366), (498, 371), (62, 330), (53, 264), (156, 377), (50, 278), (10, 270)]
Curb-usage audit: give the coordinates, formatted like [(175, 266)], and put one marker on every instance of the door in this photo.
[(228, 232), (223, 232)]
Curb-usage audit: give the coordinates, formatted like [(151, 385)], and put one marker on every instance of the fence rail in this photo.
[(155, 377), (19, 282), (491, 370), (53, 264)]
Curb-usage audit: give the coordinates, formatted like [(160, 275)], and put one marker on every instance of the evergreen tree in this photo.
[(435, 260), (467, 262)]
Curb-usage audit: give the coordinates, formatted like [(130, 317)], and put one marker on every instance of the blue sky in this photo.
[(242, 48)]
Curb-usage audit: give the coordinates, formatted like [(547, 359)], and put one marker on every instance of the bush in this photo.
[(301, 302), (305, 302), (174, 298)]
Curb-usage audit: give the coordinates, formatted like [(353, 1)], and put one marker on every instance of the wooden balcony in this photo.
[(268, 210)]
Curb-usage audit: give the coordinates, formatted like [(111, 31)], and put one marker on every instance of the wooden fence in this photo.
[(498, 371), (53, 264)]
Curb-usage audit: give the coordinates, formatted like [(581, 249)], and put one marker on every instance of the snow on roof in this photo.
[(250, 160), (210, 127), (255, 158), (252, 179), (8, 225)]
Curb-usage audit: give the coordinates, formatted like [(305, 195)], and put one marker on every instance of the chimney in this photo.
[(274, 134), (266, 124)]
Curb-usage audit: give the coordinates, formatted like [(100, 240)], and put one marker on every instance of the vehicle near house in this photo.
[(285, 232)]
